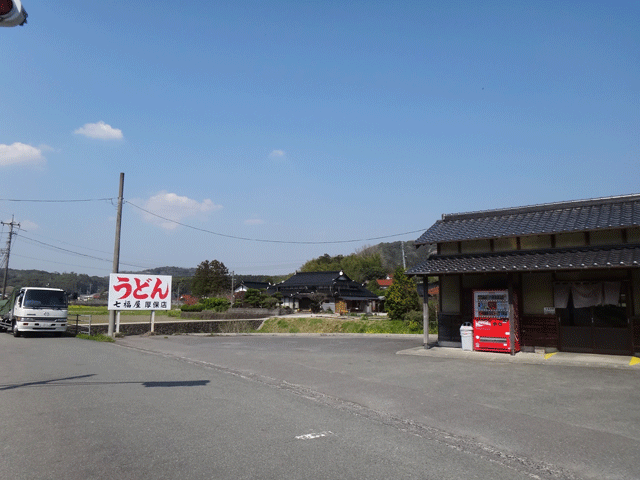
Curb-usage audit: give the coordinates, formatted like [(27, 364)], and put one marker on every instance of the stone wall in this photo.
[(233, 313), (175, 328)]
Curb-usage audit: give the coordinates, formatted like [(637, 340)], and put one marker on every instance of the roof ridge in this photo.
[(541, 207)]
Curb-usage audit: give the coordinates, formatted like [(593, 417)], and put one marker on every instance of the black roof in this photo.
[(335, 283), (617, 256), (580, 215), (318, 279), (254, 285)]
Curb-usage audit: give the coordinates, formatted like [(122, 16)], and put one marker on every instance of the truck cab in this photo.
[(37, 309)]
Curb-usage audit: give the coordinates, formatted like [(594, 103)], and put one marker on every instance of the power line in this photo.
[(76, 253), (55, 201), (262, 240), (234, 237)]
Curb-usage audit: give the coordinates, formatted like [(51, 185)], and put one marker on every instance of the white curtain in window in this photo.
[(561, 295), (587, 294)]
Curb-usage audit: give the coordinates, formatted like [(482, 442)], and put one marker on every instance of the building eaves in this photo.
[(582, 258)]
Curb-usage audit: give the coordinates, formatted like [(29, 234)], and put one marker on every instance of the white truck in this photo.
[(34, 309)]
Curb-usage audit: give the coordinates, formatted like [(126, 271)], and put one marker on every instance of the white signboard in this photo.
[(139, 292)]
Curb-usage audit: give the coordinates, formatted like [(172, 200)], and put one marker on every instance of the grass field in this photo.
[(362, 324), (315, 324), (101, 315)]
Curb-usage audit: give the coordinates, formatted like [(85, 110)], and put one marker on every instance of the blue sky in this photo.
[(302, 125)]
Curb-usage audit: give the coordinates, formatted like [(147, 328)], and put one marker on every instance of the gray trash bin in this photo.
[(466, 334)]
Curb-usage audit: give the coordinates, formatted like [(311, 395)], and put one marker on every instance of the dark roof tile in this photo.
[(619, 256), (595, 214)]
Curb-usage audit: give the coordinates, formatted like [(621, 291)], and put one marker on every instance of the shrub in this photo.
[(413, 320), (270, 302), (216, 304), (401, 296), (198, 307)]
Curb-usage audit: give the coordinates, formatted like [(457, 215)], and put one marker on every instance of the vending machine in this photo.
[(491, 326)]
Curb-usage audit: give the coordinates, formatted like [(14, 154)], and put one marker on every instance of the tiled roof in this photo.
[(312, 278), (254, 285), (582, 215), (337, 283), (619, 256)]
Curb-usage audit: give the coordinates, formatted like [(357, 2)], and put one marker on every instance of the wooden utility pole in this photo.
[(116, 252), (6, 267)]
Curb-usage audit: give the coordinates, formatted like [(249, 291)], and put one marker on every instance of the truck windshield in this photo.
[(45, 299)]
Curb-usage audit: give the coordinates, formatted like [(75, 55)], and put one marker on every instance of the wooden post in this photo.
[(512, 317), (117, 321), (153, 320), (425, 311)]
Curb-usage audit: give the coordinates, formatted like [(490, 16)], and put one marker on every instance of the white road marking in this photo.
[(313, 436)]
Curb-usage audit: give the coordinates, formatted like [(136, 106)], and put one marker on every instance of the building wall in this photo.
[(450, 294), (475, 246), (537, 293), (531, 242), (636, 292), (505, 244), (534, 242), (577, 239), (606, 237), (448, 248)]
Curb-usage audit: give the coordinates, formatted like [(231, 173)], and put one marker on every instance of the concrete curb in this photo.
[(555, 358)]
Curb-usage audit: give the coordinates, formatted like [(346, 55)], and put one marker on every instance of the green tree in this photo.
[(253, 297), (360, 267), (211, 278), (402, 296)]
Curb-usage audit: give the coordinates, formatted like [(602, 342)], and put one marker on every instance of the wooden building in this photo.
[(572, 267), (333, 291)]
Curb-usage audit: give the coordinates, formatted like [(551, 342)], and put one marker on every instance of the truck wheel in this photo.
[(16, 332)]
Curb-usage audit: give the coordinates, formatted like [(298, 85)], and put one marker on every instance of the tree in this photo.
[(402, 296), (211, 278), (253, 297), (360, 267)]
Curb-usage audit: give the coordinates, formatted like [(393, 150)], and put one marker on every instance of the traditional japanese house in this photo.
[(333, 291), (240, 290), (571, 268)]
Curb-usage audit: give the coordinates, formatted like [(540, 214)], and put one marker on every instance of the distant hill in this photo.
[(391, 254), (173, 271)]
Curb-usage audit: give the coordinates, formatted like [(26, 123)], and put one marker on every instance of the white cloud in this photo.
[(28, 225), (254, 221), (174, 208), (47, 148), (277, 154), (99, 130), (20, 154)]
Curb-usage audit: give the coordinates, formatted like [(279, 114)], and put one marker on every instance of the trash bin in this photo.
[(466, 334)]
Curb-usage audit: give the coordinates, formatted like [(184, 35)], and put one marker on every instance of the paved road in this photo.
[(304, 407)]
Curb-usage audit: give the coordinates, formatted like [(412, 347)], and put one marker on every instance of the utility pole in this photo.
[(232, 287), (6, 267), (116, 252), (404, 259)]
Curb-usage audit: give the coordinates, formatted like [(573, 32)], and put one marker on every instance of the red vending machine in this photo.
[(491, 327)]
